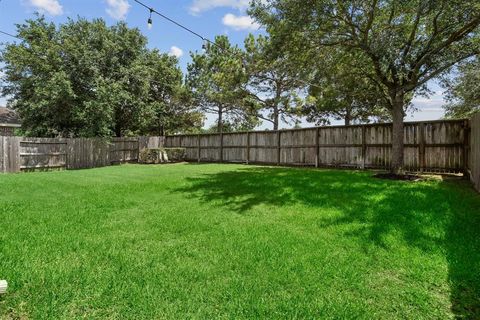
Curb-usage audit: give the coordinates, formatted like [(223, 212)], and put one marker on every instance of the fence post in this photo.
[(221, 146), (68, 153), (421, 146), (11, 159), (364, 146), (248, 147), (198, 149), (2, 154), (466, 147), (279, 147), (142, 142), (317, 147)]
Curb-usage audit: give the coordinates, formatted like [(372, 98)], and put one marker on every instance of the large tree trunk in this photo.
[(397, 132), (118, 130), (220, 120), (348, 116), (276, 117)]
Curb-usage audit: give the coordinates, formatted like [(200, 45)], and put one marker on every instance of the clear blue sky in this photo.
[(207, 17)]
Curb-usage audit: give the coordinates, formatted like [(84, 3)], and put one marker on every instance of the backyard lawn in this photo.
[(233, 241)]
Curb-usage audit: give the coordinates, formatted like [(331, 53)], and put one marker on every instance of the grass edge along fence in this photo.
[(450, 146), (430, 146)]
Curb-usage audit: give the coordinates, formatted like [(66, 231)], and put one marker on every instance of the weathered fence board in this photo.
[(88, 153), (474, 154), (150, 142), (42, 153), (433, 146), (9, 154), (124, 150), (27, 154)]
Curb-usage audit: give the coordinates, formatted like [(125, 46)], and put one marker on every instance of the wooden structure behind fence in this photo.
[(434, 146), (27, 154), (475, 150)]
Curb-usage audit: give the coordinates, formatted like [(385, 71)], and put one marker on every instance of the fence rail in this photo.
[(434, 146)]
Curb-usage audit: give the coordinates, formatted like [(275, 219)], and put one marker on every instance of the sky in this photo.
[(206, 17)]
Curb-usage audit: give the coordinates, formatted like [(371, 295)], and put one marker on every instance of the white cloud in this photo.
[(117, 9), (176, 51), (52, 7), (240, 22), (199, 6), (434, 101)]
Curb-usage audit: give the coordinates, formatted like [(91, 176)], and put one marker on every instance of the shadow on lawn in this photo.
[(429, 216)]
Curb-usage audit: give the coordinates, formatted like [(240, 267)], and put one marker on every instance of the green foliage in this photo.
[(170, 107), (463, 91), (161, 155), (397, 47), (400, 47), (216, 77), (86, 79), (273, 83), (338, 92), (230, 126), (176, 154), (237, 242)]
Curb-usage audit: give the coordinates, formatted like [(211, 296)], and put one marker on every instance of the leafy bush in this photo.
[(161, 155), (175, 154)]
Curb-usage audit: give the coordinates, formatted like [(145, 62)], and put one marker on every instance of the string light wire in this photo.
[(10, 35), (204, 39)]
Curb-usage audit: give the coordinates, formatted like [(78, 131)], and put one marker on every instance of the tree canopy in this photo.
[(463, 91), (337, 92), (398, 47), (84, 78), (216, 77), (272, 83)]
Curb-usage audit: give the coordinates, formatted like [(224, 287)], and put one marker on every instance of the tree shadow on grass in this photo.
[(428, 216)]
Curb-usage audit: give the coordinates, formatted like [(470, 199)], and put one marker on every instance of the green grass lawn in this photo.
[(232, 241)]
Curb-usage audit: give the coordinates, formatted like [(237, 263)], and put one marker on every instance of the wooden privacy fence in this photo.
[(24, 154), (475, 151), (433, 146)]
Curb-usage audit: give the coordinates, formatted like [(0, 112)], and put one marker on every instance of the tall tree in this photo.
[(402, 45), (463, 91), (170, 108), (338, 92), (86, 79), (216, 78), (273, 83)]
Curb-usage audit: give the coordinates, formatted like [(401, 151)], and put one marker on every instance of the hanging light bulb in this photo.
[(150, 22), (204, 45)]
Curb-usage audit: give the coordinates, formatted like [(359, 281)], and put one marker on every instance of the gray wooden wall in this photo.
[(434, 146), (475, 150), (27, 154)]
